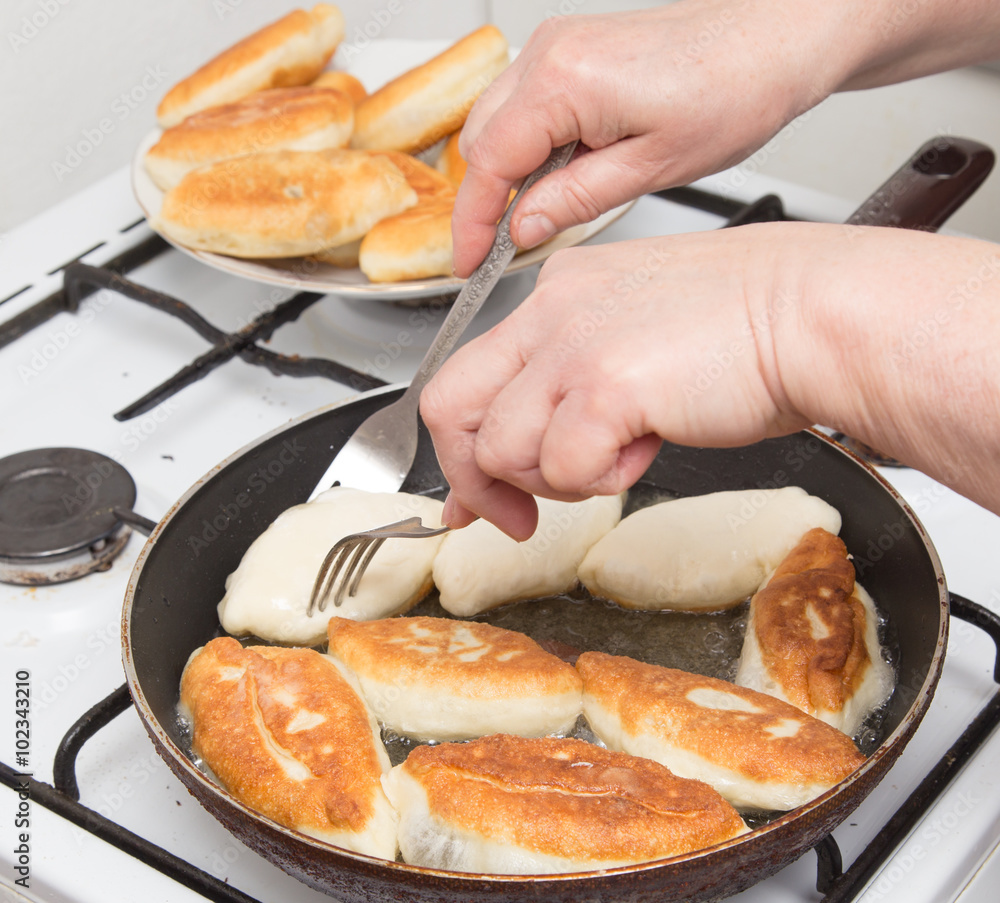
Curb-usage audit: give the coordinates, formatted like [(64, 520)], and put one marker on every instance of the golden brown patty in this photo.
[(406, 247), (414, 244), (431, 101), (811, 636), (813, 584), (283, 203), (757, 751), (344, 82), (287, 735), (450, 161), (279, 119), (286, 53), (425, 180), (444, 679), (509, 805)]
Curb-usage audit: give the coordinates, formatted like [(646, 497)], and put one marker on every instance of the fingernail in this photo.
[(448, 512), (534, 229)]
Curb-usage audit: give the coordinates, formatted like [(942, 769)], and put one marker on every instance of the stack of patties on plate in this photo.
[(264, 155)]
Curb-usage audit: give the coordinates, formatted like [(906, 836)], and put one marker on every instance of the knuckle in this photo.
[(491, 456), (580, 201)]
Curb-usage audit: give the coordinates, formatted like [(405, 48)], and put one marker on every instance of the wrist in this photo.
[(894, 343)]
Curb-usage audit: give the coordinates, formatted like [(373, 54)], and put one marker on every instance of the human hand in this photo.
[(617, 346), (721, 339), (660, 97)]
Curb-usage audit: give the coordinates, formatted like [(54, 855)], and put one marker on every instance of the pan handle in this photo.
[(929, 187)]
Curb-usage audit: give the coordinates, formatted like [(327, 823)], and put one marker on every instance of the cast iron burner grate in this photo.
[(81, 280), (59, 514), (836, 884)]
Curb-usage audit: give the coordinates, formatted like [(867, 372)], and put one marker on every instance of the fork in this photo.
[(349, 559), (379, 454)]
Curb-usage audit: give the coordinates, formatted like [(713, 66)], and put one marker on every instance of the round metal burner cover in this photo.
[(54, 501)]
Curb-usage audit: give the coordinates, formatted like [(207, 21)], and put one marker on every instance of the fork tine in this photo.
[(350, 556), (327, 573), (348, 569), (360, 567)]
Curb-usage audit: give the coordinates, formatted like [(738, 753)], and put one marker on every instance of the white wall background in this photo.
[(81, 80)]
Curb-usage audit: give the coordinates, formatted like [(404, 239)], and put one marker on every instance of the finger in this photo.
[(633, 461), (592, 183), (492, 98), (593, 445), (454, 406), (481, 200), (512, 510), (513, 143), (475, 493), (518, 456), (455, 515)]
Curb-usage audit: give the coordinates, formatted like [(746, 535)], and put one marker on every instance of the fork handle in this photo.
[(478, 286)]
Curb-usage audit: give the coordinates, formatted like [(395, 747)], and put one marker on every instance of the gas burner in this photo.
[(59, 515)]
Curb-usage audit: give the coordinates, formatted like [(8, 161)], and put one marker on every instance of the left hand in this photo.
[(617, 346)]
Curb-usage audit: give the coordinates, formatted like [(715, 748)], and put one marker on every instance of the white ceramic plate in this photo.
[(380, 62)]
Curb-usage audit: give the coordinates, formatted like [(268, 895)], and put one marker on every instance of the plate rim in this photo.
[(149, 197)]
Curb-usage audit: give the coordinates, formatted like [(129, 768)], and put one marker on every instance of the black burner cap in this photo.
[(57, 501)]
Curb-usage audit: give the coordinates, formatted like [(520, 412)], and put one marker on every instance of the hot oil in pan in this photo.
[(575, 622), (708, 643), (566, 625)]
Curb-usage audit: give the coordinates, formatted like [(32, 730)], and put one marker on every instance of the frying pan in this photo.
[(170, 610)]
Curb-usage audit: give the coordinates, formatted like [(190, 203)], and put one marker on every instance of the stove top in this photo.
[(70, 375)]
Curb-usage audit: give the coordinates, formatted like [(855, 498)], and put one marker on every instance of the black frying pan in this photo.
[(170, 609)]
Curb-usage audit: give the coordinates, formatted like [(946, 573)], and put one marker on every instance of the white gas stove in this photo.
[(63, 382)]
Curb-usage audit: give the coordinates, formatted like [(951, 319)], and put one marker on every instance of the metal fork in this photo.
[(349, 559), (379, 454)]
